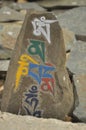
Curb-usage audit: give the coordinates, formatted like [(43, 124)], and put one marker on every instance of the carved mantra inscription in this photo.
[(41, 73), (40, 24)]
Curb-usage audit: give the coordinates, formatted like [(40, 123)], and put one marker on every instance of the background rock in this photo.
[(60, 3), (9, 33), (76, 62), (7, 14), (69, 39), (27, 6), (59, 11), (5, 53), (74, 20), (80, 102), (4, 65), (1, 90), (14, 122)]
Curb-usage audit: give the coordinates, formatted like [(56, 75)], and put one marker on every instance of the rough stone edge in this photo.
[(10, 122)]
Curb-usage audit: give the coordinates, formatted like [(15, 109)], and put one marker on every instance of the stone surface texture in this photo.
[(5, 53), (7, 14), (4, 64), (14, 122), (57, 3), (80, 102), (9, 33), (74, 20), (69, 39), (76, 62), (59, 11), (29, 5)]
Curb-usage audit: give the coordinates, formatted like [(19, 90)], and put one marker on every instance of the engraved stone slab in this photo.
[(39, 84), (74, 20), (80, 103), (77, 60)]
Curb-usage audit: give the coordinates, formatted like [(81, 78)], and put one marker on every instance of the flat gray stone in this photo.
[(60, 3), (69, 39), (37, 82), (80, 102), (9, 33), (74, 20), (58, 11), (4, 64), (76, 62), (5, 53), (13, 122), (7, 14), (26, 6), (5, 3)]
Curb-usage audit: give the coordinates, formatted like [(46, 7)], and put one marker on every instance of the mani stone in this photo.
[(80, 102), (7, 14), (76, 62), (61, 3), (37, 82), (74, 20)]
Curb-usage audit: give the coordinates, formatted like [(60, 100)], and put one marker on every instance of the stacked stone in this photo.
[(40, 84)]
